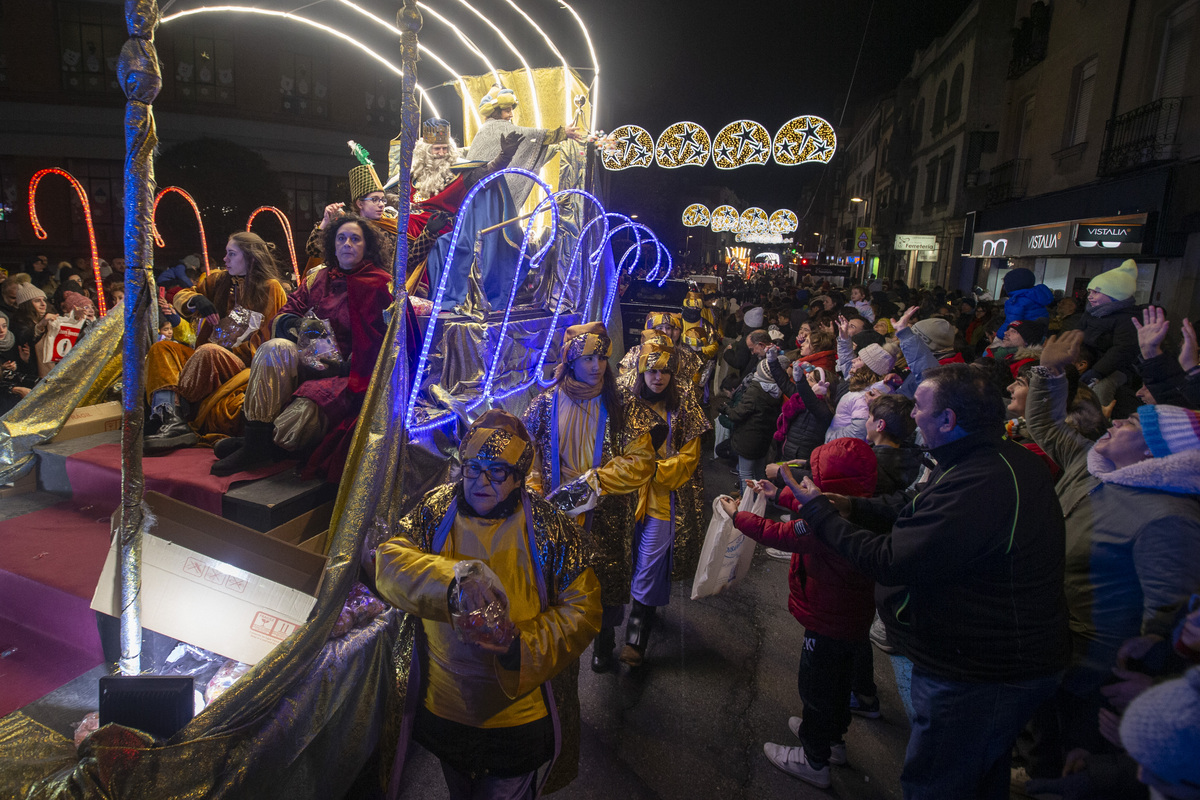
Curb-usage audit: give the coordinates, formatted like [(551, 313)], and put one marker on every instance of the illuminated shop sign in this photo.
[(1094, 237)]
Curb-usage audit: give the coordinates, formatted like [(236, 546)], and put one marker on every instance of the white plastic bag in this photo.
[(725, 557), (61, 334)]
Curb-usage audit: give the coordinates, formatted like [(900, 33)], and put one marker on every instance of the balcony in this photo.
[(1140, 138), (1031, 39), (1008, 181)]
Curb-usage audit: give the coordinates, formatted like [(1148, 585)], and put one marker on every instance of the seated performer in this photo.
[(491, 698), (232, 310), (440, 181), (499, 202), (367, 195), (594, 441), (670, 509), (322, 397)]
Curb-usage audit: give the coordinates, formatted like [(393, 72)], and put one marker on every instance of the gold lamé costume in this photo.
[(626, 464), (465, 684)]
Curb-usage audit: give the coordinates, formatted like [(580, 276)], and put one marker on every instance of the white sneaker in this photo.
[(793, 761), (782, 555), (837, 750)]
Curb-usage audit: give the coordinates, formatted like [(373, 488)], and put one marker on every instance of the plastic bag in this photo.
[(317, 348), (236, 328), (479, 605), (86, 727), (726, 554), (61, 335), (226, 676), (361, 607)]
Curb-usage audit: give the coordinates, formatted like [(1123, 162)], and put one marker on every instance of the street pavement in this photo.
[(719, 681)]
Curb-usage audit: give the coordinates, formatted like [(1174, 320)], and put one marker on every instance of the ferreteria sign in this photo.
[(1086, 237), (914, 241)]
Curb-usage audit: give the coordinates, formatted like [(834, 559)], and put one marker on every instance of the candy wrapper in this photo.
[(317, 348), (226, 676), (360, 608), (87, 726), (236, 328), (479, 605)]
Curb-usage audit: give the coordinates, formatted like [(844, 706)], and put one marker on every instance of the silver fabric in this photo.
[(300, 425), (273, 378)]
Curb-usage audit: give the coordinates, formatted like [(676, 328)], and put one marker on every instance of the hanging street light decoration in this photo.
[(754, 220), (741, 143), (696, 216), (683, 144), (783, 221), (628, 146), (804, 139), (725, 218)]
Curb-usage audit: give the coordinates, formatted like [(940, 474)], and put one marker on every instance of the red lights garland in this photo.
[(287, 232), (158, 240), (87, 215)]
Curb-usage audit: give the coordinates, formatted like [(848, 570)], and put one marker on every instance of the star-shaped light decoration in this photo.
[(783, 221), (683, 144), (805, 138), (754, 220), (635, 148), (745, 142), (696, 216), (724, 218)]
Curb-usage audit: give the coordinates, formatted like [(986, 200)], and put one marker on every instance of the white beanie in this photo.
[(877, 359), (754, 317)]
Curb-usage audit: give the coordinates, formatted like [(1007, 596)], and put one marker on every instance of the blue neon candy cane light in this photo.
[(419, 374), (552, 201), (598, 255)]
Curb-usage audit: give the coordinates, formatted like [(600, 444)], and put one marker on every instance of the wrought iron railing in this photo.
[(1008, 181), (1141, 137)]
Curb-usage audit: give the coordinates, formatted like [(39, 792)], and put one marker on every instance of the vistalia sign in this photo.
[(1103, 236)]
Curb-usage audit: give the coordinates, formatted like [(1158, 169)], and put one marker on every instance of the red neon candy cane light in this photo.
[(158, 240), (87, 216), (287, 232)]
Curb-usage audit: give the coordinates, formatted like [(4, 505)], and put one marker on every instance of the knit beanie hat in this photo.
[(27, 292), (879, 361), (1019, 278), (73, 301), (1033, 331), (754, 317), (845, 466), (1119, 283), (867, 337), (1169, 430), (937, 332), (1161, 731)]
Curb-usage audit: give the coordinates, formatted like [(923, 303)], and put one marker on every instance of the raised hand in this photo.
[(843, 327), (1151, 331), (905, 320), (1188, 355), (1062, 350)]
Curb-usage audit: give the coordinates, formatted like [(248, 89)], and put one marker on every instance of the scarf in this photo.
[(579, 391), (792, 408), (10, 339)]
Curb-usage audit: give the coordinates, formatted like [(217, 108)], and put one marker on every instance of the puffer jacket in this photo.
[(806, 430), (826, 594), (1031, 303)]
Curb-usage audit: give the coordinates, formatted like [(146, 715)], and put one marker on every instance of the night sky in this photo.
[(665, 61)]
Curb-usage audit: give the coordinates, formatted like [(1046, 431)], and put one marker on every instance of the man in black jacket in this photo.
[(970, 586)]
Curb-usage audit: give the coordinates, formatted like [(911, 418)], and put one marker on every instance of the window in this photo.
[(945, 176), (103, 182), (918, 122), (978, 143), (203, 65), (939, 110), (304, 82), (931, 181), (383, 103), (305, 198), (1083, 88), (954, 102), (1177, 43), (90, 39)]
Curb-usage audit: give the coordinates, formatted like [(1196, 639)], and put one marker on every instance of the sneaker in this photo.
[(879, 636), (782, 555), (837, 750), (793, 761), (863, 706)]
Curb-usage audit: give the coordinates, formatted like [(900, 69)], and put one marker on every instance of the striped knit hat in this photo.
[(1170, 429)]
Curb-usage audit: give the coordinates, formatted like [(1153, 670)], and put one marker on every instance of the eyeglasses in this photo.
[(497, 473), (380, 200)]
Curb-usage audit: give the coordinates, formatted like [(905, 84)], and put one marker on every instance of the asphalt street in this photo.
[(719, 681)]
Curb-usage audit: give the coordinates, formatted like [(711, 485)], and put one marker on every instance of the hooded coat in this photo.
[(826, 593), (1031, 303), (1132, 537), (1108, 330)]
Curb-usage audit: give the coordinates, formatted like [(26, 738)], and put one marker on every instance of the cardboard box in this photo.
[(22, 485), (86, 420), (309, 531), (216, 584)]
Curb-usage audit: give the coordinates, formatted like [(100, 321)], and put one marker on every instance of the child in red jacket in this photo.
[(832, 600)]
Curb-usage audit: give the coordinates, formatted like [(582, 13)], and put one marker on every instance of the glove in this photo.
[(578, 496), (438, 221), (509, 143), (200, 306)]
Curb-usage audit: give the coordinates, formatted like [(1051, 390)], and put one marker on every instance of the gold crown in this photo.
[(435, 131)]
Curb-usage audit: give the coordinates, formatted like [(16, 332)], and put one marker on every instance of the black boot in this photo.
[(227, 447), (637, 634), (602, 650), (172, 434), (258, 448)]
